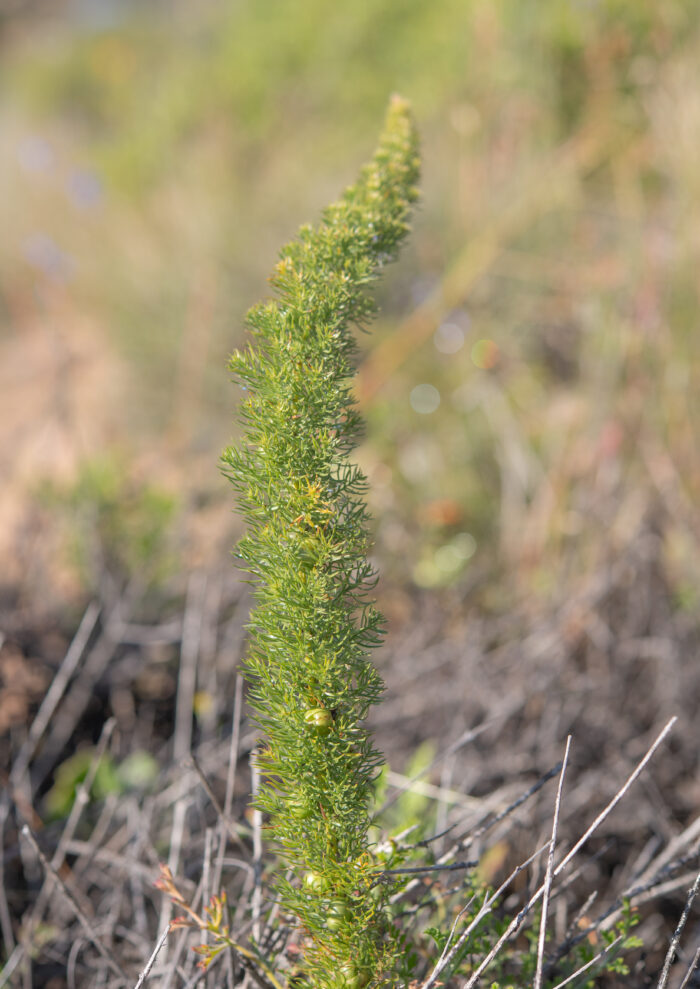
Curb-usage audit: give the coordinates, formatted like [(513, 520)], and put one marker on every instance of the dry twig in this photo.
[(550, 870), (75, 906)]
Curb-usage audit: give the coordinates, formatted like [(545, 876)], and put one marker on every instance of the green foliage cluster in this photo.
[(314, 624), (137, 771), (114, 523)]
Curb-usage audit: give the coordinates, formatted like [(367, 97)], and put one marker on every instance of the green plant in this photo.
[(213, 924), (137, 771), (112, 522), (314, 624)]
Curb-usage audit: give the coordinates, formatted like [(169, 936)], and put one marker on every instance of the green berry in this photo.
[(299, 808), (337, 914), (319, 718), (315, 882), (354, 977)]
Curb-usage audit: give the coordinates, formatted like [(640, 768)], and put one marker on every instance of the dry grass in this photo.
[(497, 694)]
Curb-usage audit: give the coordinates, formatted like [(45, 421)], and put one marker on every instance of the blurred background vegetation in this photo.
[(532, 386)]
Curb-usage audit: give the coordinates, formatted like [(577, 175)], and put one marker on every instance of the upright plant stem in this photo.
[(314, 625)]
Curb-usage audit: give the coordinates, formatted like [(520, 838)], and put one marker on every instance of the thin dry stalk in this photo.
[(28, 748), (225, 816), (138, 899), (206, 883), (77, 698), (687, 837), (125, 863), (464, 844), (404, 783), (666, 970), (182, 742), (589, 964), (151, 961), (55, 692), (636, 896), (82, 797), (430, 790), (257, 850), (228, 824), (422, 869), (550, 871), (518, 921), (447, 953), (189, 653), (11, 964), (447, 956), (75, 906), (5, 919), (691, 969), (510, 809)]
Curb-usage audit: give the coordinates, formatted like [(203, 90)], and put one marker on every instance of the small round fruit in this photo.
[(299, 808), (354, 977), (337, 914), (315, 882), (319, 718)]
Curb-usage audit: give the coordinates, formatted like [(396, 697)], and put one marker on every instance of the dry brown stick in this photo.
[(685, 838), (138, 899), (80, 693), (550, 871), (208, 647), (228, 824), (72, 961), (652, 889), (75, 906), (123, 862), (184, 934), (518, 921), (404, 783), (182, 742), (8, 936), (691, 968), (55, 692), (618, 796), (206, 877), (24, 757), (166, 633), (464, 844), (82, 797), (257, 849), (8, 969), (447, 956), (657, 890), (666, 970), (427, 869), (151, 961), (225, 816), (593, 961), (648, 886), (469, 840)]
